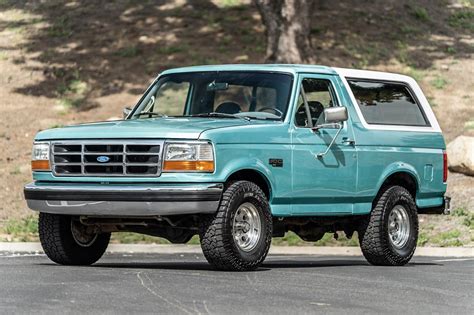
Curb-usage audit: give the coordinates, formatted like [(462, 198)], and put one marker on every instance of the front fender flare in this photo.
[(249, 164)]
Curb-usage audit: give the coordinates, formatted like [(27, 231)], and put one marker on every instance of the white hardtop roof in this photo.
[(376, 75), (295, 68)]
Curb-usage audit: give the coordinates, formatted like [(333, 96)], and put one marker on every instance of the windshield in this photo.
[(226, 94)]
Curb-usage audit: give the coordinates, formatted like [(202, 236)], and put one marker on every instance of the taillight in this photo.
[(445, 166)]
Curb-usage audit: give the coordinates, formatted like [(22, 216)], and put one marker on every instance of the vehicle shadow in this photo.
[(266, 266), (282, 264)]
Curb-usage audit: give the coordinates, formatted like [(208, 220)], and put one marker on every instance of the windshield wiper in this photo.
[(261, 118), (151, 114), (220, 115)]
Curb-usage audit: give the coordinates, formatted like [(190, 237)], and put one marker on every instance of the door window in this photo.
[(319, 95)]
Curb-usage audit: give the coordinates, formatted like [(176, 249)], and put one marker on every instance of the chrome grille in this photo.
[(107, 158)]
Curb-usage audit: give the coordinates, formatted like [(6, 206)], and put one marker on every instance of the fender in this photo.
[(398, 167), (250, 164)]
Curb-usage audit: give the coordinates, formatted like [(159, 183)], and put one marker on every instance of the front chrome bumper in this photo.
[(123, 200)]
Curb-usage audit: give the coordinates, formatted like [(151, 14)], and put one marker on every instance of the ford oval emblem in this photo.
[(103, 159)]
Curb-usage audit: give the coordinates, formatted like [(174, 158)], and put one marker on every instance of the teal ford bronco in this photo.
[(238, 154)]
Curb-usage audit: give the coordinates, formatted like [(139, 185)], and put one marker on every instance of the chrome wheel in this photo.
[(246, 228), (82, 234), (398, 226)]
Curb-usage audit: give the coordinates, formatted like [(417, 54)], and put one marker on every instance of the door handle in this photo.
[(348, 141)]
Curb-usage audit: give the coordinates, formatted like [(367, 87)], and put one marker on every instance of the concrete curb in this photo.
[(275, 250)]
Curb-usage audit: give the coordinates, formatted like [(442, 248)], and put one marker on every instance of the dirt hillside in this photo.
[(64, 62)]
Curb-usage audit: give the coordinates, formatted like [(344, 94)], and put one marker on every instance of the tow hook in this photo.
[(447, 205)]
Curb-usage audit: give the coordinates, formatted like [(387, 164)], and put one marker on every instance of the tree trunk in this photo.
[(288, 28)]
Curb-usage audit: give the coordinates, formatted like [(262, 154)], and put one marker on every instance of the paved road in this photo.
[(184, 284)]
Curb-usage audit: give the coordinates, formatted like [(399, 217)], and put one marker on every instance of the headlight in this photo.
[(40, 157), (189, 157)]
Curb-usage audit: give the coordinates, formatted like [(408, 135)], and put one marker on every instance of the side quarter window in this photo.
[(320, 95), (387, 103)]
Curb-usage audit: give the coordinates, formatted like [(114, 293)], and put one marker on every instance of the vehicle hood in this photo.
[(166, 128)]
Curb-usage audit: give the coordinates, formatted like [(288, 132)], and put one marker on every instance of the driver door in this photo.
[(321, 185)]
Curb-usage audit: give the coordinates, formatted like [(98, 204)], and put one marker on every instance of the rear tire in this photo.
[(239, 235), (389, 235), (68, 242)]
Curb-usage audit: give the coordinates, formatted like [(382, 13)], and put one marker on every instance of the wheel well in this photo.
[(403, 179), (252, 176)]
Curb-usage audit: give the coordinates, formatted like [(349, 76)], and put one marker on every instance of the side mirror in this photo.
[(126, 111), (335, 114), (334, 117)]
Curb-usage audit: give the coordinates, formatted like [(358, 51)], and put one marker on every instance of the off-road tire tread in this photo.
[(374, 244), (216, 239), (59, 245)]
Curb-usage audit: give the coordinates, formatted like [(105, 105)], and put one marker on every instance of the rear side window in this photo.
[(387, 103)]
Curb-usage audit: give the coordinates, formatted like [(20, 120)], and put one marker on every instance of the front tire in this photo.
[(239, 235), (389, 235), (68, 242)]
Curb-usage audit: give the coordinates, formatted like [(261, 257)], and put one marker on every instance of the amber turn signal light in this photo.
[(199, 166), (40, 165)]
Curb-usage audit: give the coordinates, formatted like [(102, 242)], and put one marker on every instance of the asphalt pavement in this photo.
[(185, 284)]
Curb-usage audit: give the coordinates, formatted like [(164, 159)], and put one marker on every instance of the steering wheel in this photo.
[(275, 110)]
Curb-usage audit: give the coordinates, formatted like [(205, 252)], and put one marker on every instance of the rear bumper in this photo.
[(447, 205), (445, 208), (123, 200)]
